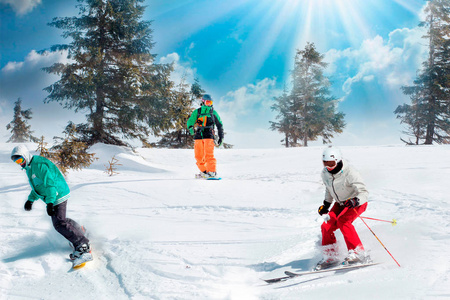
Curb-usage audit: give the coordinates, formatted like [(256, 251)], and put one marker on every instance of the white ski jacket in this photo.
[(346, 184)]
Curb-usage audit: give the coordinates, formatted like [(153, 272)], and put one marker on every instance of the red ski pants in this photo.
[(204, 155), (342, 218)]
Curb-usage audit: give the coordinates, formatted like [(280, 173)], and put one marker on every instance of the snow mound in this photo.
[(127, 159)]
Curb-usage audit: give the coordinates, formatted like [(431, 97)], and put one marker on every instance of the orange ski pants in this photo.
[(204, 155)]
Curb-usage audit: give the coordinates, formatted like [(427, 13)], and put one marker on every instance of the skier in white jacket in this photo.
[(345, 185)]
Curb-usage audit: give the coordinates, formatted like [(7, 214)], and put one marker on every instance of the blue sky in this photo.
[(242, 51)]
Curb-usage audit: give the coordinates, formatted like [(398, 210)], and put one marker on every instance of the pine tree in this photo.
[(43, 148), (112, 74), (428, 116), (20, 130), (70, 152), (181, 107), (413, 116), (309, 111), (285, 119)]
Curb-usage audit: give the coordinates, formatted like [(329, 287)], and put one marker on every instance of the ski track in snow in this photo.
[(157, 233)]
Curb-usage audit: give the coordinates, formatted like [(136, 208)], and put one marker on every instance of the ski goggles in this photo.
[(330, 164), (208, 102), (18, 159)]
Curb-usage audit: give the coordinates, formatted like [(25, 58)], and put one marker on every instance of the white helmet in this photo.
[(331, 154), (22, 151)]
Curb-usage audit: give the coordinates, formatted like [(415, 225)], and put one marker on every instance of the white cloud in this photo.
[(26, 80), (250, 99), (21, 7), (372, 76), (18, 78), (181, 70), (391, 63), (245, 113)]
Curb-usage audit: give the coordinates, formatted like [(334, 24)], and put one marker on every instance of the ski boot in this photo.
[(202, 175), (327, 263), (212, 174), (79, 251), (356, 257)]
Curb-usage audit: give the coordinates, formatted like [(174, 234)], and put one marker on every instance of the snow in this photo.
[(157, 233)]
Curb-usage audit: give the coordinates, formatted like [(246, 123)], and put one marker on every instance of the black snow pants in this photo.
[(68, 228)]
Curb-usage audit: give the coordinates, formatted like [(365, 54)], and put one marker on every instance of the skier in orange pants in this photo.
[(201, 124)]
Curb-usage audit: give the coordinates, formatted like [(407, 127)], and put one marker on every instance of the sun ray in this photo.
[(411, 5)]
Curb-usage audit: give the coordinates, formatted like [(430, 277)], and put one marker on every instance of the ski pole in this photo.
[(393, 222), (376, 237)]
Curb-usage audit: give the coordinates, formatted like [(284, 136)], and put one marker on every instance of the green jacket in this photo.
[(46, 181), (205, 118)]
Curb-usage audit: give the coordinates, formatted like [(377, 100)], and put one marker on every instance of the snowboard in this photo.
[(198, 176), (81, 261)]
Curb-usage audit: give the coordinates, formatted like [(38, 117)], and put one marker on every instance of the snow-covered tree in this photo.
[(181, 106), (112, 74), (428, 115), (20, 130), (309, 111), (70, 152)]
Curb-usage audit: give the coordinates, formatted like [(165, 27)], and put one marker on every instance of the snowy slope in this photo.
[(157, 233)]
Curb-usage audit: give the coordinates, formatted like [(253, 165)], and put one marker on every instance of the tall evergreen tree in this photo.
[(428, 116), (413, 116), (309, 111), (20, 130), (181, 106), (112, 74), (285, 119)]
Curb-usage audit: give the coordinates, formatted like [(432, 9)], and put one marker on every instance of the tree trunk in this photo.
[(98, 130), (432, 100)]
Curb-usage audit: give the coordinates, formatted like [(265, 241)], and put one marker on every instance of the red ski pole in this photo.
[(393, 222), (376, 237)]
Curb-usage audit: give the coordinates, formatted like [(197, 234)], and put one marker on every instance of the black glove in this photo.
[(50, 210), (28, 205), (219, 142), (323, 209), (352, 202)]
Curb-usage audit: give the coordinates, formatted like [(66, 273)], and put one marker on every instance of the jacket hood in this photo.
[(23, 151)]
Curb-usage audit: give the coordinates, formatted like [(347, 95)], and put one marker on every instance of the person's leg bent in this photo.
[(66, 228), (344, 223), (328, 228)]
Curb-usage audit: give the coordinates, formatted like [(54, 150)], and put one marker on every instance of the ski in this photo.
[(290, 275), (335, 269), (277, 279)]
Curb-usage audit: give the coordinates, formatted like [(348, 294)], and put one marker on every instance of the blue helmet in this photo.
[(207, 100)]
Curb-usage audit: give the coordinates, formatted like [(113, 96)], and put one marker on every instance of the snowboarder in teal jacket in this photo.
[(48, 184)]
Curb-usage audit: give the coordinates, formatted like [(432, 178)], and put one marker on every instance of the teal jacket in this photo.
[(46, 181)]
